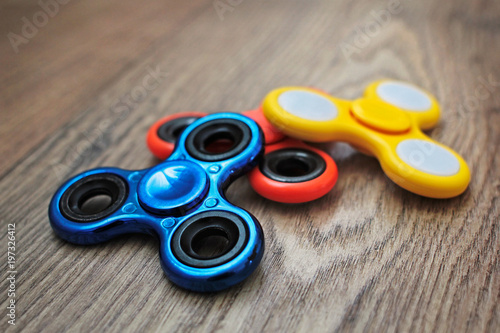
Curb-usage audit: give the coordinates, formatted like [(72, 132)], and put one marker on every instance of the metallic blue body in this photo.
[(161, 198)]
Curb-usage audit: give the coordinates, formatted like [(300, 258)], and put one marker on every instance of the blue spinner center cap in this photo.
[(173, 187)]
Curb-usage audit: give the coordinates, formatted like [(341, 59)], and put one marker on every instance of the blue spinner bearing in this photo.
[(180, 200)]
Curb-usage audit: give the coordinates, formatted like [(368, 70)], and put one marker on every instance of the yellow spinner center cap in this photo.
[(380, 116)]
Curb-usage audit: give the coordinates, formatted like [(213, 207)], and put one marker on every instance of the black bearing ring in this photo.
[(188, 238), (233, 131), (172, 129), (292, 165), (74, 198)]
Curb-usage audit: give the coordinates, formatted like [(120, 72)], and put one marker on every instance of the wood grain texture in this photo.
[(369, 256)]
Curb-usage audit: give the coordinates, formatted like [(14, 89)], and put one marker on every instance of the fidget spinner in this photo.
[(181, 201), (386, 123), (290, 172)]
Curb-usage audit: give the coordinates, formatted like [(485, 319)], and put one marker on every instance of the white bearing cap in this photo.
[(308, 105), (428, 157), (404, 95)]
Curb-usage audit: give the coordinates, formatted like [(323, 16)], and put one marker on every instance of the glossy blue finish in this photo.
[(173, 187), (160, 199)]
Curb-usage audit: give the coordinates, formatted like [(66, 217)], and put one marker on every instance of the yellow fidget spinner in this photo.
[(386, 122)]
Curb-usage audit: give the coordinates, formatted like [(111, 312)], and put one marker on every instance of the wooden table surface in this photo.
[(369, 256)]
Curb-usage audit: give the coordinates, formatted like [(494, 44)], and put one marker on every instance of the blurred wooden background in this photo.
[(369, 256)]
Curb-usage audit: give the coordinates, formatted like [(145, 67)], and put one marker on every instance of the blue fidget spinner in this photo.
[(206, 243)]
